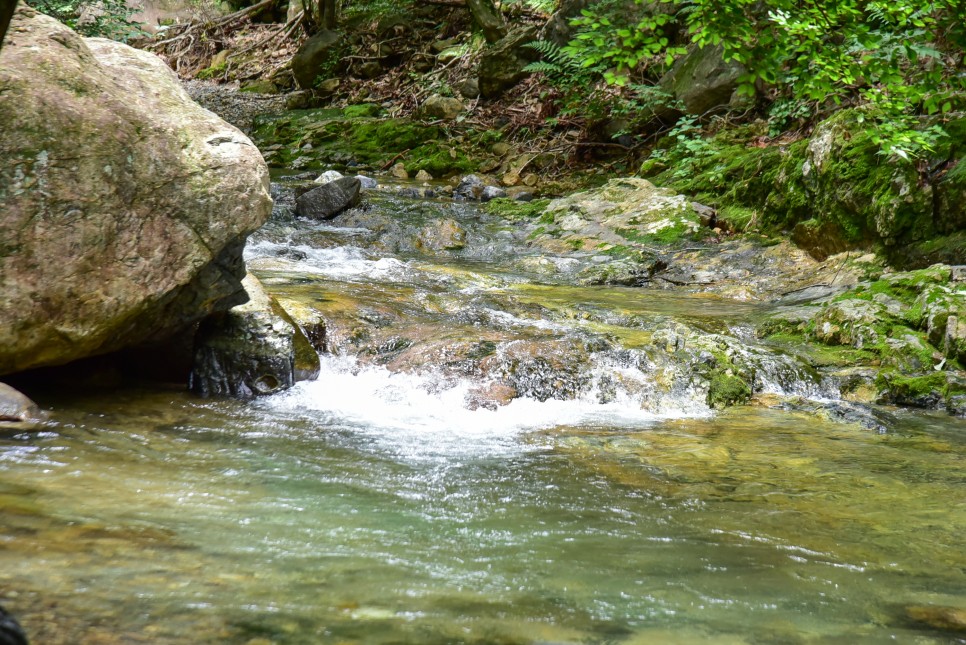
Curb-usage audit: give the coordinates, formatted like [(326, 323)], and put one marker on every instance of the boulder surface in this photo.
[(125, 204)]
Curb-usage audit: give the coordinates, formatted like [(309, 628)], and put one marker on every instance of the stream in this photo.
[(496, 451)]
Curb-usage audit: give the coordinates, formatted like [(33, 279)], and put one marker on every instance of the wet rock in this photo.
[(851, 322), (441, 107), (367, 183), (328, 200), (317, 58), (491, 192), (954, 342), (123, 218), (422, 175), (443, 235), (627, 272), (489, 397), (11, 633), (853, 412), (469, 187), (252, 350), (16, 408)]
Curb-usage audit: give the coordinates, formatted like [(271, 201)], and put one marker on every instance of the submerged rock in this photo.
[(125, 204), (254, 349), (329, 199)]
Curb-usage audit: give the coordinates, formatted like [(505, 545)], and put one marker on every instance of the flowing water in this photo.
[(404, 497)]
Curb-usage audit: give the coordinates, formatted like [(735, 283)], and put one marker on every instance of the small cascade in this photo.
[(466, 343)]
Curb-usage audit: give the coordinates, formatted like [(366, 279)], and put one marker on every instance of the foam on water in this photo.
[(425, 415), (342, 262)]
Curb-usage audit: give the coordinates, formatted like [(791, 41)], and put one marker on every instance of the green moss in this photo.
[(675, 234), (516, 211), (726, 390), (362, 111), (212, 72)]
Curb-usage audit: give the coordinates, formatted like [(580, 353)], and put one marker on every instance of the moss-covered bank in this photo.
[(832, 191)]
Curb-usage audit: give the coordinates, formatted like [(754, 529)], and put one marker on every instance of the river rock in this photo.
[(492, 192), (16, 408), (367, 183), (125, 204), (328, 200), (442, 235), (328, 176), (254, 349), (422, 175), (470, 187)]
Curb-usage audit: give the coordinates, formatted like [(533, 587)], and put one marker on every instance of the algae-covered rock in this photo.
[(125, 204), (254, 349), (628, 213)]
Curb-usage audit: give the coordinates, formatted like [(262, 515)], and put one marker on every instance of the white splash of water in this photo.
[(342, 262), (425, 415)]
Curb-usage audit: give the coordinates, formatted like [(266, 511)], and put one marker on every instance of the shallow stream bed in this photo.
[(380, 505)]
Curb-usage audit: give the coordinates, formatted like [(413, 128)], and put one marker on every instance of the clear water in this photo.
[(372, 506)]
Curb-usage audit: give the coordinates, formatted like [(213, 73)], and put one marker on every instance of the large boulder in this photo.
[(703, 80), (319, 58), (125, 204)]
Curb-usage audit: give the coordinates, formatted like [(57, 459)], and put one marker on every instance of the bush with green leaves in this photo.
[(103, 18), (902, 57)]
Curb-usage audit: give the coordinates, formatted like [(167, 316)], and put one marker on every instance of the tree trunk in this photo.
[(488, 19), (328, 18), (6, 13)]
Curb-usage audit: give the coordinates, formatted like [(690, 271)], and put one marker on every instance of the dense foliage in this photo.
[(904, 58), (105, 18)]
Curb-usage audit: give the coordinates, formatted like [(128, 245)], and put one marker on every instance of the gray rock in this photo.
[(702, 80), (252, 350), (470, 88), (492, 192), (328, 200), (317, 58), (502, 63), (16, 408), (441, 107), (328, 176), (367, 183), (470, 187), (125, 204)]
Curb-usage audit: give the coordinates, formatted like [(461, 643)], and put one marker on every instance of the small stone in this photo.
[(470, 187), (328, 86), (327, 176), (958, 273), (500, 149), (492, 192), (399, 171), (511, 178), (422, 175), (470, 88), (531, 179), (368, 183)]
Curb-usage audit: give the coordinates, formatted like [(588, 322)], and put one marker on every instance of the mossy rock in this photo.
[(726, 390)]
